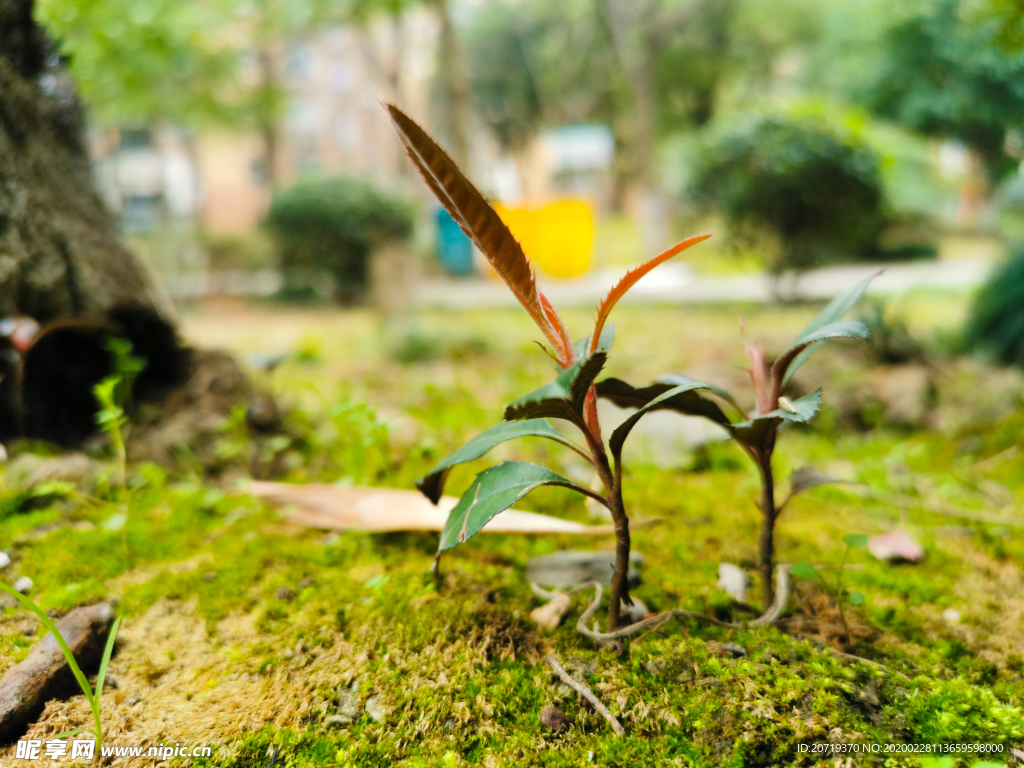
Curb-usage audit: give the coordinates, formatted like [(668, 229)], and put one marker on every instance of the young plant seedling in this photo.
[(111, 417), (838, 592), (757, 433), (92, 696), (571, 396)]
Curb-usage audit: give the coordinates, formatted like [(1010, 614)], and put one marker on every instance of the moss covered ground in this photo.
[(279, 645)]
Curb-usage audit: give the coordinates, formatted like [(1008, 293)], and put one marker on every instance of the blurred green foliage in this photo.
[(942, 75), (329, 227), (996, 324), (815, 188)]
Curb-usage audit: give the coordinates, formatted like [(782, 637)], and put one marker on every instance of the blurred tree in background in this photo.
[(942, 76), (816, 189), (146, 60)]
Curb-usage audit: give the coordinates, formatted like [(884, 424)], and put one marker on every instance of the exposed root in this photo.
[(771, 616), (586, 693)]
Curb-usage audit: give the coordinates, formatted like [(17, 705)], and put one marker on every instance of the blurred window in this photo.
[(341, 77), (300, 62), (346, 132), (303, 118), (258, 171), (139, 213), (135, 138)]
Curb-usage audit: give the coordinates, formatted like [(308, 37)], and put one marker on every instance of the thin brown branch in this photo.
[(586, 693)]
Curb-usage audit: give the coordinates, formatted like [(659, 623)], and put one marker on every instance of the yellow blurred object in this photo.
[(557, 237)]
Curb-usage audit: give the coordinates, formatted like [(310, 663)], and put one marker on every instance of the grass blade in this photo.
[(48, 623), (107, 651), (70, 733)]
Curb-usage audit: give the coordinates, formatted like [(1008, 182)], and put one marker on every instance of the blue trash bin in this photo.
[(454, 249)]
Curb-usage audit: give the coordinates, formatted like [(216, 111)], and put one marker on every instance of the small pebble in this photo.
[(23, 585), (284, 593), (554, 719), (134, 700), (725, 650), (5, 559), (28, 631)]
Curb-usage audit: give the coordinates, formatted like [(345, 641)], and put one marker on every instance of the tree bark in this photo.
[(60, 256), (61, 262)]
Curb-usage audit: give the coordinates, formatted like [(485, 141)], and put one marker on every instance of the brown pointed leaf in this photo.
[(473, 213)]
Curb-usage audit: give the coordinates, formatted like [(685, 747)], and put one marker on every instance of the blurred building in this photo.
[(334, 80)]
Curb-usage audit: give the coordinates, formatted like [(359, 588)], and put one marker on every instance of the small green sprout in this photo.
[(92, 696)]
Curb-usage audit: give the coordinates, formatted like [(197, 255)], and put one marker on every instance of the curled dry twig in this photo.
[(586, 693)]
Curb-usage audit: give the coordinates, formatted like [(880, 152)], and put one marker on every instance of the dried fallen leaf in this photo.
[(897, 545), (387, 509)]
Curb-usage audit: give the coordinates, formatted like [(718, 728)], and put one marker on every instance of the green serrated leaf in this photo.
[(832, 313), (803, 571), (856, 598), (844, 329), (562, 398), (755, 432), (432, 484), (688, 402), (678, 379), (662, 401), (493, 491), (856, 539)]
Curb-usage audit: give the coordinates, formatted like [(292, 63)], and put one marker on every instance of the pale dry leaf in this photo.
[(389, 509)]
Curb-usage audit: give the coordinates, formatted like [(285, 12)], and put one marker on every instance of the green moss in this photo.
[(456, 661)]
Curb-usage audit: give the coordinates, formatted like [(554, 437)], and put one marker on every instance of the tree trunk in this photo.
[(60, 256), (456, 84)]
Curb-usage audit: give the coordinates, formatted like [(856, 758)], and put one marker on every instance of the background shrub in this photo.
[(328, 228), (996, 323), (819, 192)]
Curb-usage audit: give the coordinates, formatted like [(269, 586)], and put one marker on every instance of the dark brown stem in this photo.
[(613, 487), (620, 578), (768, 514)]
